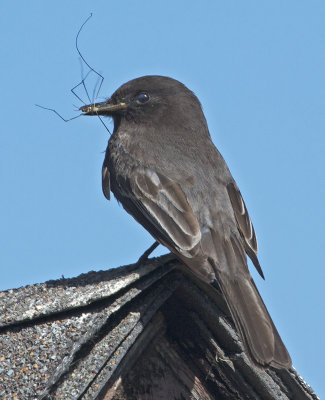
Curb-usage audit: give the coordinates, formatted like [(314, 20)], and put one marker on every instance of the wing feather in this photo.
[(167, 207), (106, 183), (245, 225)]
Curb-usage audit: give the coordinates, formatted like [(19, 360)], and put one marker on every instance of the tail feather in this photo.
[(258, 332), (254, 323)]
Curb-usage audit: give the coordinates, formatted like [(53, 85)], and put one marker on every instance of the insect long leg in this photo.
[(84, 60), (84, 86), (59, 115), (91, 70), (82, 83), (95, 91)]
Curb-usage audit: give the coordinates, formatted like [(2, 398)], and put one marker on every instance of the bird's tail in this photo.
[(260, 336), (228, 262)]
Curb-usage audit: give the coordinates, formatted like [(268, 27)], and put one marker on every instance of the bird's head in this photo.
[(149, 99)]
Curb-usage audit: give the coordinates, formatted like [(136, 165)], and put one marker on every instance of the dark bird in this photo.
[(162, 165)]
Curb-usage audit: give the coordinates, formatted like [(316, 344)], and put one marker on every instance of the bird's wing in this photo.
[(164, 204), (159, 204), (244, 224)]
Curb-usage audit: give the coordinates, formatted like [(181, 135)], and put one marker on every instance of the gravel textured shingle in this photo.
[(135, 332)]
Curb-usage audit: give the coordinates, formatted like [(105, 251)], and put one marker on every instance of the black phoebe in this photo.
[(162, 166)]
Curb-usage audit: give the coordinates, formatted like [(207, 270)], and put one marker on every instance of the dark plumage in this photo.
[(162, 166)]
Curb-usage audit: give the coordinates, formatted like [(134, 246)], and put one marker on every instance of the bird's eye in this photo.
[(142, 97)]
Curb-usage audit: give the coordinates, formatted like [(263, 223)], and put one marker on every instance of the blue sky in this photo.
[(258, 69)]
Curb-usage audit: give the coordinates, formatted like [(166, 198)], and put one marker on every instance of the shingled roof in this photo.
[(149, 332)]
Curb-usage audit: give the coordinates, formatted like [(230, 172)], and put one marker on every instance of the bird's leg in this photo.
[(216, 285), (147, 253)]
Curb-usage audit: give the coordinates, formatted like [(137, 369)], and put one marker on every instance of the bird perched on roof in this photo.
[(162, 165)]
